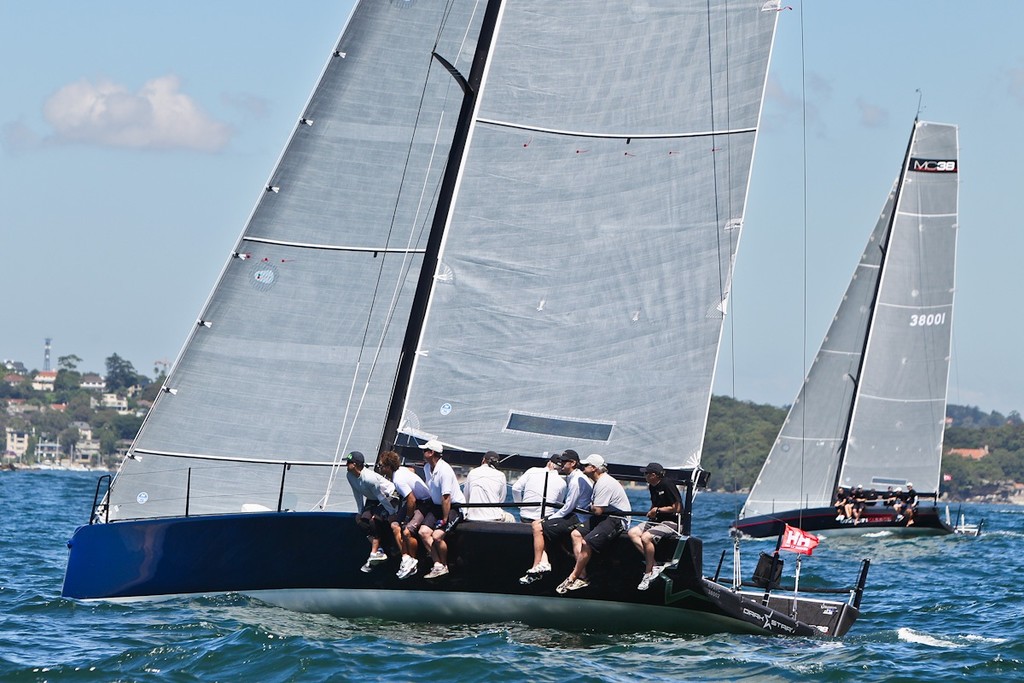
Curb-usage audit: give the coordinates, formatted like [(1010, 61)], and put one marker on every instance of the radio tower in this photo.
[(46, 354)]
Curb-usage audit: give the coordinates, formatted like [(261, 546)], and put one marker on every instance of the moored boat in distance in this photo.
[(869, 418), (485, 232)]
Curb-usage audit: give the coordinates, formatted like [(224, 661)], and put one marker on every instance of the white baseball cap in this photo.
[(433, 445)]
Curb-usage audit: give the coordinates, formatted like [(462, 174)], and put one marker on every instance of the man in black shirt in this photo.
[(662, 519)]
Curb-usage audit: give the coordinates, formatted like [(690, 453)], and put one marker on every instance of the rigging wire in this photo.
[(714, 154), (422, 219), (803, 346)]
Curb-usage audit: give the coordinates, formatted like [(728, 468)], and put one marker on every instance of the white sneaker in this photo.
[(366, 568), (438, 570), (377, 557), (657, 570), (540, 568), (403, 567), (645, 582), (408, 568)]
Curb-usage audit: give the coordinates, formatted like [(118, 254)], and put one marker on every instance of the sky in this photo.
[(136, 138)]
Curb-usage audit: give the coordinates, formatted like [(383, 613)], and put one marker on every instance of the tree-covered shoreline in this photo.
[(739, 433)]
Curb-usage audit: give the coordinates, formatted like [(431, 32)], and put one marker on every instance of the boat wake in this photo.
[(911, 636), (878, 534)]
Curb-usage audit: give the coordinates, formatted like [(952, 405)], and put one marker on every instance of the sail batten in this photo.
[(620, 135), (334, 247)]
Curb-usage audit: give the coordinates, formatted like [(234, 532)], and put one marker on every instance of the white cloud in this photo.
[(871, 115), (158, 116)]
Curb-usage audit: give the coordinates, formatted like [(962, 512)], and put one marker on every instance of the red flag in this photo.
[(798, 541)]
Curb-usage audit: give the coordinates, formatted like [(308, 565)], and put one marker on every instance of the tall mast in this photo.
[(884, 246), (424, 285)]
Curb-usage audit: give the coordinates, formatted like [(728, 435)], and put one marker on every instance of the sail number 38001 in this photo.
[(929, 319)]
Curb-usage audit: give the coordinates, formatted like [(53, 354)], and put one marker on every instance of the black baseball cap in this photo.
[(569, 456)]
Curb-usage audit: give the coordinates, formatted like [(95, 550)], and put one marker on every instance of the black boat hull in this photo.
[(823, 521), (311, 562)]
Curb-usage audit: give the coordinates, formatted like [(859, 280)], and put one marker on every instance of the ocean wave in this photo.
[(909, 635), (912, 636)]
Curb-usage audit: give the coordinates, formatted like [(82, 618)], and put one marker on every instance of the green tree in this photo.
[(738, 438), (80, 407), (69, 362), (50, 421), (67, 381), (69, 439), (120, 373)]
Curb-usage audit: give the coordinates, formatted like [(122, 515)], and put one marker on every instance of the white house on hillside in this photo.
[(93, 382), (44, 380)]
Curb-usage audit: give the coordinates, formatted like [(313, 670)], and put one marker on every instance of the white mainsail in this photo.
[(871, 411), (585, 264), (590, 249)]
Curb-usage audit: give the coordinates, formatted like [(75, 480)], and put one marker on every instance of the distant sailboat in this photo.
[(871, 412), (509, 226)]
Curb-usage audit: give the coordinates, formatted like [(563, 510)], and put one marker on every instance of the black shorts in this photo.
[(554, 528), (603, 532), (432, 518), (373, 520)]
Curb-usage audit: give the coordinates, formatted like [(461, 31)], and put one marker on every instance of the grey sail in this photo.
[(305, 326), (898, 419), (871, 410), (580, 292)]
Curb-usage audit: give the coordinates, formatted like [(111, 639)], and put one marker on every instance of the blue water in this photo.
[(937, 609)]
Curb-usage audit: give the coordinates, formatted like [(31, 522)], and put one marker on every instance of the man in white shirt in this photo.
[(561, 522), (486, 484), (446, 497), (413, 505), (605, 527), (373, 516), (537, 484)]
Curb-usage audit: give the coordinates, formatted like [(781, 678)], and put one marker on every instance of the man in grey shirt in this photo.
[(605, 527)]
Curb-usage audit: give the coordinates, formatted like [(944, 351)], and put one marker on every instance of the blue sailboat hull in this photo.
[(311, 562)]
